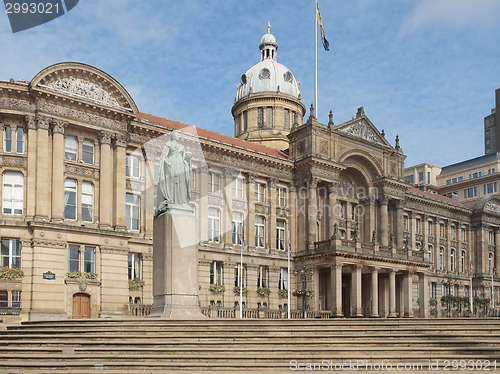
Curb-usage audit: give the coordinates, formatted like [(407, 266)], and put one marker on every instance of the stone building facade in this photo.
[(78, 164)]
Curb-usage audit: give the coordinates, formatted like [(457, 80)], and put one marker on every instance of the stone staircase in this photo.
[(139, 345)]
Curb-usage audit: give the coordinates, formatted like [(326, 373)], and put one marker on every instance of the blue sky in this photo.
[(423, 69)]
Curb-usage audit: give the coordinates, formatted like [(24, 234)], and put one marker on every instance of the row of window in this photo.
[(471, 176), (430, 229), (15, 299), (265, 119), (237, 235), (240, 276)]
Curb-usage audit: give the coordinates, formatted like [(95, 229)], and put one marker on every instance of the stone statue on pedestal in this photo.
[(174, 184)]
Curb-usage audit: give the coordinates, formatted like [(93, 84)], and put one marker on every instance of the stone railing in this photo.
[(10, 311), (139, 310), (229, 313)]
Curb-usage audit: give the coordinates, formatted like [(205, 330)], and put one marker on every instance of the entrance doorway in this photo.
[(81, 306)]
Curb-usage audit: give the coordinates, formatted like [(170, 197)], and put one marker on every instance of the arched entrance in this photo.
[(81, 306)]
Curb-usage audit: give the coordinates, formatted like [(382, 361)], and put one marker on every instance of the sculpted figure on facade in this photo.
[(174, 184)]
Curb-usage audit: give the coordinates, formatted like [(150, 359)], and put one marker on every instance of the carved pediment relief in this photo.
[(492, 206), (83, 89), (362, 130)]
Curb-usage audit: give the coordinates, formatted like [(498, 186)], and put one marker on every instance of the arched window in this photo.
[(462, 262), (452, 260), (441, 258)]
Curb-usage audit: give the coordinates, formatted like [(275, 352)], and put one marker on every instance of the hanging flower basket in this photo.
[(303, 292), (216, 289), (135, 283), (236, 290), (283, 293), (263, 291), (8, 273)]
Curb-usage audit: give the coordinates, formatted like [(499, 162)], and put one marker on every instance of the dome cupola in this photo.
[(267, 102)]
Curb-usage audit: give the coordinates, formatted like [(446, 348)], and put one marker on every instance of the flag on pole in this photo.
[(494, 271), (470, 266), (326, 45)]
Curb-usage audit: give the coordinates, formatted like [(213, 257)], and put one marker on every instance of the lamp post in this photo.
[(303, 271)]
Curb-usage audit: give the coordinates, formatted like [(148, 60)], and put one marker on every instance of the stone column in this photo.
[(356, 309), (315, 277), (250, 228), (120, 181), (58, 127), (370, 222), (408, 294), (423, 284), (149, 193), (374, 292), (203, 204), (332, 207), (336, 289), (105, 181), (31, 152), (271, 236), (44, 177), (392, 293), (413, 229), (399, 224), (384, 222), (227, 216), (292, 220), (312, 209)]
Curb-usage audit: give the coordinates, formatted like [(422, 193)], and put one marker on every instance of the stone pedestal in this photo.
[(175, 265)]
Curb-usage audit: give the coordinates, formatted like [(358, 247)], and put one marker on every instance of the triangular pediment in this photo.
[(362, 128)]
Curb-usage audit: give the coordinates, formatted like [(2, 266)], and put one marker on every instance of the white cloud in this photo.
[(454, 14)]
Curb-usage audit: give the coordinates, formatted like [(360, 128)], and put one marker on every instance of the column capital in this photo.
[(121, 140), (337, 265), (272, 182), (356, 267), (30, 121), (384, 200), (105, 137), (230, 172), (58, 126), (251, 177), (313, 182), (42, 122), (375, 268)]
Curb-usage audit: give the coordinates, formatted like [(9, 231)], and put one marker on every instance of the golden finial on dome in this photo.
[(269, 27)]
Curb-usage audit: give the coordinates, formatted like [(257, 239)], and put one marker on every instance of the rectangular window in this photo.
[(7, 139), (429, 228), (441, 230), (240, 277), (421, 177), (260, 118), (16, 299), (419, 225), (406, 223), (87, 202), (73, 257), (260, 192), (460, 179), (283, 279), (13, 193), (238, 188), (88, 151), (453, 233), (464, 235), (441, 259), (70, 148), (474, 175), (213, 225), (132, 209), (280, 235), (70, 199), (448, 181), (4, 299), (454, 180), (428, 177), (263, 277), (20, 140), (286, 119), (10, 254), (269, 117), (433, 290), (216, 270), (260, 231), (213, 183), (133, 169), (134, 266), (89, 260), (282, 196), (237, 234), (343, 210)]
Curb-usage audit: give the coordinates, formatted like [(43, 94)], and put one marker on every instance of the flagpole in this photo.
[(288, 276), (316, 59), (241, 275)]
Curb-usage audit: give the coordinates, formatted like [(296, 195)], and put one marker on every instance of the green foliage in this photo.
[(236, 290), (303, 292), (216, 289), (9, 273), (135, 283), (263, 291)]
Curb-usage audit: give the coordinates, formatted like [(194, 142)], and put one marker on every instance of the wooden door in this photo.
[(81, 306)]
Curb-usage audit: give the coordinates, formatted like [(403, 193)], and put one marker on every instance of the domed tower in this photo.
[(267, 103)]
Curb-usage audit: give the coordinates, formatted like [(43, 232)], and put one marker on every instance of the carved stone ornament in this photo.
[(81, 88), (239, 205), (492, 206), (30, 121), (261, 209), (362, 131), (82, 284), (121, 140), (80, 116), (58, 126), (105, 137), (81, 170), (22, 105), (215, 200), (12, 161), (42, 122)]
